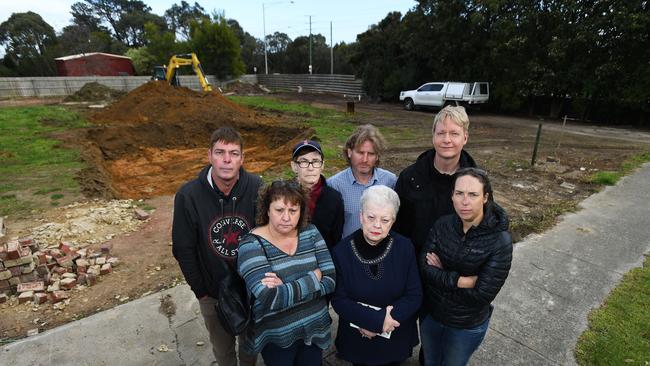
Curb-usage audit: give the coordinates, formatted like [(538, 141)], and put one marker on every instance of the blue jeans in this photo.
[(297, 354), (449, 346)]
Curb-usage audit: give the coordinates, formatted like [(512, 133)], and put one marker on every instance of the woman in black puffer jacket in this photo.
[(465, 261)]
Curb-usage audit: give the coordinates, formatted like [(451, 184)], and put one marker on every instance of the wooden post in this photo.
[(539, 134), (350, 105)]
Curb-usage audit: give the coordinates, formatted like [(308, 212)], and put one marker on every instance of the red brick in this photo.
[(106, 269), (28, 277), (91, 279), (40, 298), (65, 261), (68, 283), (16, 271), (140, 214), (58, 296), (42, 270), (56, 253), (106, 248), (25, 296), (28, 268), (3, 252), (65, 247), (26, 241), (42, 257), (60, 270), (51, 266), (81, 279), (13, 250), (25, 251), (31, 286)]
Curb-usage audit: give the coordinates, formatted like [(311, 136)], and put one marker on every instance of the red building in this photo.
[(94, 64)]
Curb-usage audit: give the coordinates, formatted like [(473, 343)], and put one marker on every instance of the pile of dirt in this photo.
[(241, 88), (94, 92), (156, 137)]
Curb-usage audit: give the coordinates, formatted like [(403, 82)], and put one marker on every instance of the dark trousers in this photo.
[(298, 354), (449, 346)]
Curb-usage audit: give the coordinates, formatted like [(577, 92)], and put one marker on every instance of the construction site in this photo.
[(111, 244)]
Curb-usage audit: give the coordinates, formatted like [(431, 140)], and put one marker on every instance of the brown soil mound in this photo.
[(156, 137), (94, 92)]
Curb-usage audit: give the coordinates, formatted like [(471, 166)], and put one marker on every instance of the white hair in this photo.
[(380, 196)]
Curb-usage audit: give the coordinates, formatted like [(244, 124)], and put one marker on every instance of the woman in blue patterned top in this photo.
[(288, 269)]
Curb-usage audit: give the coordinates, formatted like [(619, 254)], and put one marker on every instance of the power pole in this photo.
[(266, 62), (310, 64), (331, 51)]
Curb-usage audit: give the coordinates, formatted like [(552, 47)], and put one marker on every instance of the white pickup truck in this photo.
[(439, 94)]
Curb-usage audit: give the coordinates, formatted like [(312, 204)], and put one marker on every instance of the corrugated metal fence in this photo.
[(325, 83), (66, 85)]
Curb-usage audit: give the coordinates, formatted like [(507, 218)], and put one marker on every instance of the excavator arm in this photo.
[(188, 59)]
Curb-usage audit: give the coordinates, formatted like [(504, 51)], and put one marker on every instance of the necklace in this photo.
[(379, 261)]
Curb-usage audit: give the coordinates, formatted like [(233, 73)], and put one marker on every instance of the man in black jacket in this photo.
[(325, 205), (211, 213), (424, 188)]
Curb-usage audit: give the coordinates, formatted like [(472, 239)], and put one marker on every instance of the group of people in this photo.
[(430, 247)]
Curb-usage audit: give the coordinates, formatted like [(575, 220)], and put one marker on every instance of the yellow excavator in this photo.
[(168, 72)]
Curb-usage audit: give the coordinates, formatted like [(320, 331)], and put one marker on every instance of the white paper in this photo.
[(384, 334)]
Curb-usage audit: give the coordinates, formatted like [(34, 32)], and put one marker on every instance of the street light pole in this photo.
[(266, 62)]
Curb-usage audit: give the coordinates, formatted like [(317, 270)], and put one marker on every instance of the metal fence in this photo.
[(56, 86), (321, 83)]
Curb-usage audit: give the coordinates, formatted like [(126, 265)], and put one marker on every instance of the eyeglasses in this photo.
[(306, 163)]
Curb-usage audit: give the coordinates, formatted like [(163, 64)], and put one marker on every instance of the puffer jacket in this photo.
[(485, 251)]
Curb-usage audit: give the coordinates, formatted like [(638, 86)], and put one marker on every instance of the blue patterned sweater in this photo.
[(297, 309)]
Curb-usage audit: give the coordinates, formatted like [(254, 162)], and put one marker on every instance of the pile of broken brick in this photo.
[(41, 275)]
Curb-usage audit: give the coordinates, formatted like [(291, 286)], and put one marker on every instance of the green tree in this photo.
[(252, 49), (30, 45), (217, 47), (180, 16), (125, 18)]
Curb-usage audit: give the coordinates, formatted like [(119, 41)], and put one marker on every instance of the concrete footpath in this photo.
[(556, 279)]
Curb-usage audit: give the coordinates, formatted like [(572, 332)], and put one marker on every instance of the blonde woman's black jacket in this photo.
[(485, 251)]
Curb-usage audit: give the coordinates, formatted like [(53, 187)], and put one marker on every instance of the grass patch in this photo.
[(30, 159), (606, 178), (539, 221), (332, 127), (57, 196), (145, 206), (609, 178), (44, 191), (619, 331)]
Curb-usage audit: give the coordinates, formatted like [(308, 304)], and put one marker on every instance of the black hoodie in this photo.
[(425, 196), (484, 251), (207, 227)]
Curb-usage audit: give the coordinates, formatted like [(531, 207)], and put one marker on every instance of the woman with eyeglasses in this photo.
[(463, 265), (325, 204), (378, 292), (288, 270)]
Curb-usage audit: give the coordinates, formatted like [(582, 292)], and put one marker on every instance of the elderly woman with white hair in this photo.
[(378, 292)]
